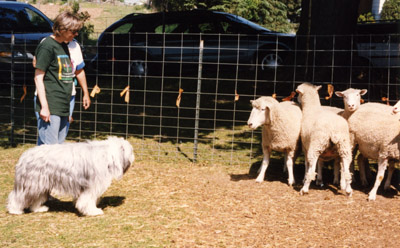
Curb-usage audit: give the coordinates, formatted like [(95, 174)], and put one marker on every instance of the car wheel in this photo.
[(138, 68), (268, 61)]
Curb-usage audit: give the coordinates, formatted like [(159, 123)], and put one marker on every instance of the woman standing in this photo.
[(54, 75)]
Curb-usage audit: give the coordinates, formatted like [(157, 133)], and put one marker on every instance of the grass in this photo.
[(110, 13), (176, 203), (146, 208)]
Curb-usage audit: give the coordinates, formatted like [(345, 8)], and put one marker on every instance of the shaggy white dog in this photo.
[(83, 170)]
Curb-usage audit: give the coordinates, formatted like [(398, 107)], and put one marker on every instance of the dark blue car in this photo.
[(22, 27), (158, 43)]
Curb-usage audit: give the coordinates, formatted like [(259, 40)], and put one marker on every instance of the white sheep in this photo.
[(323, 133), (396, 108), (376, 132), (280, 123), (321, 160), (352, 101)]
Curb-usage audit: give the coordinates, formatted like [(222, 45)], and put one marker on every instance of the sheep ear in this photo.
[(268, 115), (363, 92), (339, 93), (251, 101), (299, 91), (318, 87)]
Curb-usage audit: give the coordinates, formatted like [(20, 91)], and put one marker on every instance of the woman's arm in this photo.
[(81, 76), (41, 92)]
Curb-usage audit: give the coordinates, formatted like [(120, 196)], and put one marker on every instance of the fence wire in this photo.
[(178, 101)]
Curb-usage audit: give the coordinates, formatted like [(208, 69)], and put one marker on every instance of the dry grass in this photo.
[(181, 204), (164, 200)]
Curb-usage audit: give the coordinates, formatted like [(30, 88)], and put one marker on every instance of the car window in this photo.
[(25, 20), (228, 28), (169, 28), (123, 29), (38, 23), (9, 20), (206, 28)]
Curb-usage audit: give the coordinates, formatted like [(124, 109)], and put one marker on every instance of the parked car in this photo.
[(378, 43), (22, 27), (139, 44)]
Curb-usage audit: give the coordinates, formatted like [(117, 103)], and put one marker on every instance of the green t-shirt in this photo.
[(53, 58)]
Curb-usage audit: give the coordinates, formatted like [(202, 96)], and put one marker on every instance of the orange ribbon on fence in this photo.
[(178, 99), (289, 98), (126, 93), (385, 99), (95, 90), (236, 96), (23, 95), (330, 92)]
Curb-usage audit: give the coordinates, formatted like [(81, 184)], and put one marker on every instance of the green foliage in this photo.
[(176, 5), (271, 14), (277, 15), (367, 17), (391, 10), (293, 10)]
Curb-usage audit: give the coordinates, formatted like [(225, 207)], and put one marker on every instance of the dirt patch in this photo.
[(227, 208), (186, 205)]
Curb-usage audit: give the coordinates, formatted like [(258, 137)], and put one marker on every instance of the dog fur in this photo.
[(82, 170)]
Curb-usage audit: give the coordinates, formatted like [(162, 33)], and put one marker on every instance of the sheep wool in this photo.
[(323, 134), (281, 122), (376, 132)]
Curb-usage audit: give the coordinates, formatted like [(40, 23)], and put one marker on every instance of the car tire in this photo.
[(269, 60), (138, 68)]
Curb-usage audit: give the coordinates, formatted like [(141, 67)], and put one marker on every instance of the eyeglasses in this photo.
[(74, 31)]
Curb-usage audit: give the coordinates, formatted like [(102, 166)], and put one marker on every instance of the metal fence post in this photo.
[(12, 90), (196, 124)]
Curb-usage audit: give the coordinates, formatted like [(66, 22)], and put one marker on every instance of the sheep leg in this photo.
[(285, 168), (305, 167), (289, 164), (389, 177), (345, 181), (319, 181), (336, 170), (382, 164), (264, 165), (362, 169), (310, 174)]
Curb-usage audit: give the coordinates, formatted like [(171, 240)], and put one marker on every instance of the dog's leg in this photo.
[(37, 206), (16, 203), (86, 204)]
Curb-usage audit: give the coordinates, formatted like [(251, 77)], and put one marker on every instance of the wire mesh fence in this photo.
[(177, 100)]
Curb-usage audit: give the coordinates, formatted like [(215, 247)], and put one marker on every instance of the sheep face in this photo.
[(351, 98), (259, 115), (396, 108)]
